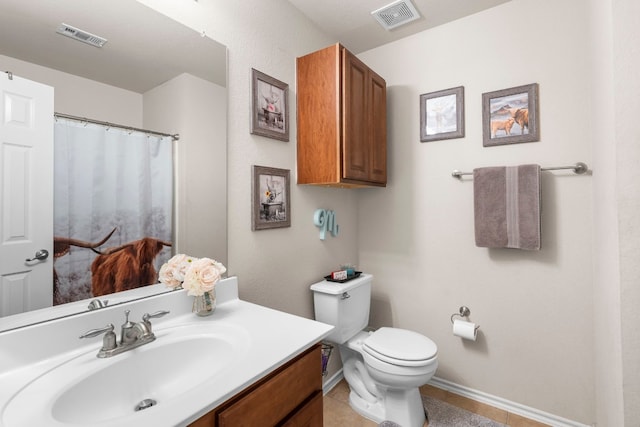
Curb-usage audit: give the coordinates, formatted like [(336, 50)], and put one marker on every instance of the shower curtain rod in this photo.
[(175, 137)]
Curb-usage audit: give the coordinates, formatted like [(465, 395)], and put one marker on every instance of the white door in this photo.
[(26, 194)]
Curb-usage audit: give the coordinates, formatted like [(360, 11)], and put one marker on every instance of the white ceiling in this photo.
[(350, 21), (144, 48)]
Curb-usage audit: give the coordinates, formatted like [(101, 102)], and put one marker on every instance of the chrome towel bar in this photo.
[(579, 169)]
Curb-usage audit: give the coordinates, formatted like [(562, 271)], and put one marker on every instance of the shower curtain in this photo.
[(113, 197)]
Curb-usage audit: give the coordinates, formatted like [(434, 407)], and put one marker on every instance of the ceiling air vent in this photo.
[(80, 35), (395, 14)]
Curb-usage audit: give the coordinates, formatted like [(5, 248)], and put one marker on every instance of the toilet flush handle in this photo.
[(345, 295)]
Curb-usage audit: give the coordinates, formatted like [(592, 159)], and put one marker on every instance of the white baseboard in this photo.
[(479, 396), (330, 383), (500, 403)]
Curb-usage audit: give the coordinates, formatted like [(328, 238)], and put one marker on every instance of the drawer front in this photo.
[(310, 415), (275, 398)]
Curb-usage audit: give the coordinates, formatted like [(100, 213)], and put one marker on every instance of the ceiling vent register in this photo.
[(396, 14), (80, 35)]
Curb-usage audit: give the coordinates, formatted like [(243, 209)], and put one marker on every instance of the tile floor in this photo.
[(338, 413)]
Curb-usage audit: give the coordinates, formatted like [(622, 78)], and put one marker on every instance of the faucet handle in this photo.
[(95, 332), (109, 340), (146, 318), (96, 303), (157, 314)]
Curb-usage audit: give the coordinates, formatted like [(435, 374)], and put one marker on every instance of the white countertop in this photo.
[(275, 337)]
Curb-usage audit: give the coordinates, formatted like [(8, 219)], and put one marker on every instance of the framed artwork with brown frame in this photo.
[(269, 106), (510, 116), (270, 201), (442, 114)]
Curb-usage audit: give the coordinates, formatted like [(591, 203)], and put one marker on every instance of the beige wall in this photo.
[(82, 97), (275, 267), (534, 308), (606, 318), (550, 321), (626, 54)]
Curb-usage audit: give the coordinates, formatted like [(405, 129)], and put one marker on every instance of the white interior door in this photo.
[(26, 194)]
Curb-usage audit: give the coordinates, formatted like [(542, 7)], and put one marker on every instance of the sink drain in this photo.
[(146, 403)]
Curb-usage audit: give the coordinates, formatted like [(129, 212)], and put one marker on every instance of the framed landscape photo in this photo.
[(442, 114), (270, 201), (269, 106), (510, 116)]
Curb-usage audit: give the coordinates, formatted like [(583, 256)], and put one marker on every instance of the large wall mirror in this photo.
[(152, 73)]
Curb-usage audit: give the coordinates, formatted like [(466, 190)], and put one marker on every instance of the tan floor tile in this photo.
[(514, 420), (470, 405), (340, 414), (435, 392), (340, 392)]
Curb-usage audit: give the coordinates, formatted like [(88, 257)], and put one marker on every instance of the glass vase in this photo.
[(205, 304)]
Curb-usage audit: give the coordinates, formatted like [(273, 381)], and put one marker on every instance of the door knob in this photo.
[(41, 255)]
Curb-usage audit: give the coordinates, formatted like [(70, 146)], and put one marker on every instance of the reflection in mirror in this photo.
[(152, 73), (112, 216)]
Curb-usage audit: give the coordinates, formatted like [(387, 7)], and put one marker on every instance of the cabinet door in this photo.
[(378, 128), (355, 144), (274, 399), (364, 141)]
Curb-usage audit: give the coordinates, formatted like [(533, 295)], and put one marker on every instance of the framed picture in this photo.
[(270, 106), (442, 114), (510, 116), (271, 204)]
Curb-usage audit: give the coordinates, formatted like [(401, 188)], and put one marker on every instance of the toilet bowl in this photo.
[(384, 368)]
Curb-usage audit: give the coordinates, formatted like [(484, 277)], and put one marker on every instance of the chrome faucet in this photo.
[(132, 335)]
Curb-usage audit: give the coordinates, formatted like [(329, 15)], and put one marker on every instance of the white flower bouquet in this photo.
[(197, 275)]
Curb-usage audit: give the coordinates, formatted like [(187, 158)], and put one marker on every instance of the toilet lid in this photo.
[(399, 344)]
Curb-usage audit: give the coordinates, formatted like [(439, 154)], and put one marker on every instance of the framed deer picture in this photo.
[(510, 116), (269, 107), (271, 202)]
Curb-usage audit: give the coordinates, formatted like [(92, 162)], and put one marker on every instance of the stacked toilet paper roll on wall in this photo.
[(465, 330)]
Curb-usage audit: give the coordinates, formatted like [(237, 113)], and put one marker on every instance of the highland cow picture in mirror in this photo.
[(113, 207), (270, 106), (271, 204), (510, 116)]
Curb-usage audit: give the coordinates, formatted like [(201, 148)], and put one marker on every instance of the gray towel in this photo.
[(506, 202)]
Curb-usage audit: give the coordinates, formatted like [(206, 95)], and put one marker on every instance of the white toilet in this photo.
[(383, 368)]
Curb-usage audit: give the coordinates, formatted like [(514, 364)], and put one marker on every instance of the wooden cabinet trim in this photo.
[(273, 398), (309, 414), (342, 143)]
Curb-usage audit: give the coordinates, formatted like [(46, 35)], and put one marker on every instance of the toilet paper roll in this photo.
[(466, 330)]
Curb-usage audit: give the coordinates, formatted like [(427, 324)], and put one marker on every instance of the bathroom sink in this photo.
[(86, 390)]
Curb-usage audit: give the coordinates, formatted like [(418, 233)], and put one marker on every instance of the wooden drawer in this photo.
[(274, 398), (310, 415)]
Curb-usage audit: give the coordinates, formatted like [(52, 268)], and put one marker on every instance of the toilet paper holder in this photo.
[(463, 312)]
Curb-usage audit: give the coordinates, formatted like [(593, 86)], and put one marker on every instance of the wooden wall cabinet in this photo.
[(291, 396), (342, 121)]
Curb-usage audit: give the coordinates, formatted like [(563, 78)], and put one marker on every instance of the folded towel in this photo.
[(506, 203)]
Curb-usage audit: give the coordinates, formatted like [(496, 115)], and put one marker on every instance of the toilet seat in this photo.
[(400, 347)]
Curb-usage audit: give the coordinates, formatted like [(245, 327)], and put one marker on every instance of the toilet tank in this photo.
[(343, 305)]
